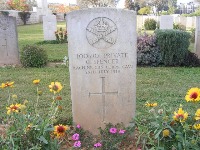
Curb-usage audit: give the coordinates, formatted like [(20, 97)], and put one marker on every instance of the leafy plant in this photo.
[(164, 129), (61, 36), (48, 42), (192, 39), (173, 45), (179, 27), (191, 60), (26, 128), (33, 56), (148, 52), (150, 24)]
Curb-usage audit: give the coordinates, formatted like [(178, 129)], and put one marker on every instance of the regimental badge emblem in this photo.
[(101, 33)]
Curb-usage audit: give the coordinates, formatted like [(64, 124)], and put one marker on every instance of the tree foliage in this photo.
[(21, 5), (144, 10), (3, 5), (97, 3), (131, 5)]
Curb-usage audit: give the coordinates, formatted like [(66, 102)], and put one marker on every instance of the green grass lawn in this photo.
[(31, 34), (162, 84)]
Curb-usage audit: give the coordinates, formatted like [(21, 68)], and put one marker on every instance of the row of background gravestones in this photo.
[(37, 14), (49, 28)]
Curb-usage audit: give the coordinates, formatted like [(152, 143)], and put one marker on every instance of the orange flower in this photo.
[(13, 108), (36, 81), (180, 116), (7, 84), (59, 130), (58, 98), (55, 87)]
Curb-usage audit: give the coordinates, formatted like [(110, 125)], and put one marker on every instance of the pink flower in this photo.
[(122, 131), (98, 144), (75, 137), (77, 144), (113, 130), (78, 126)]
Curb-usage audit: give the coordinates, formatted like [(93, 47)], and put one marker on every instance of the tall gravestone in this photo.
[(166, 22), (102, 63), (49, 27), (197, 37), (9, 52)]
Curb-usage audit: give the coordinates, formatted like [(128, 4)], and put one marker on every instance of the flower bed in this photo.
[(25, 128)]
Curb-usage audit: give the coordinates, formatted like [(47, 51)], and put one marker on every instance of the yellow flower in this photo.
[(2, 85), (193, 95), (55, 87), (180, 115), (7, 84), (197, 114), (25, 102), (29, 127), (59, 130), (36, 81), (165, 133), (197, 126), (13, 108), (14, 96), (151, 104)]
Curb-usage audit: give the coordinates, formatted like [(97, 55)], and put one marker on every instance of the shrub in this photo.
[(148, 53), (33, 56), (150, 24), (24, 16), (48, 42), (173, 45), (192, 39), (191, 60), (179, 27)]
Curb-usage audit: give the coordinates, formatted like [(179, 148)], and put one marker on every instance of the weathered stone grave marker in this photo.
[(102, 63), (197, 37), (166, 22), (49, 27), (9, 52)]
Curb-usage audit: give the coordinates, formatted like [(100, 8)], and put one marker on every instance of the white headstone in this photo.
[(42, 8), (166, 22), (9, 52), (197, 37), (102, 63), (49, 27)]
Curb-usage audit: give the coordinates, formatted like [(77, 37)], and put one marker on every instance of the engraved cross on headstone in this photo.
[(5, 45), (5, 41), (103, 93)]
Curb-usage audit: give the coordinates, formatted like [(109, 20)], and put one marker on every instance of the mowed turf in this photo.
[(154, 84)]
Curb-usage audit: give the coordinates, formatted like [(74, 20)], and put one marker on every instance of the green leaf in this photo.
[(157, 134), (42, 139)]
